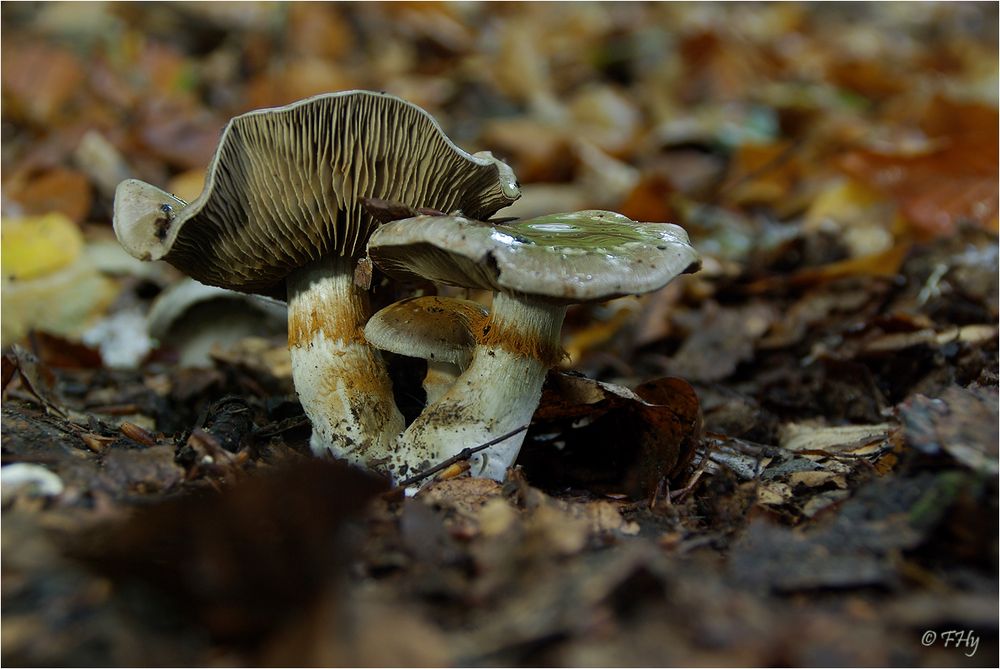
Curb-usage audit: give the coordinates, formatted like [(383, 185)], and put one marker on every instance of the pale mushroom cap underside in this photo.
[(572, 257), (429, 327), (172, 304), (285, 184)]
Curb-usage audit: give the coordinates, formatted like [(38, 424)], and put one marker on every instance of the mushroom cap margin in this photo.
[(571, 257)]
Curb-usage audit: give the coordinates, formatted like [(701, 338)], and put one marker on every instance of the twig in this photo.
[(464, 454)]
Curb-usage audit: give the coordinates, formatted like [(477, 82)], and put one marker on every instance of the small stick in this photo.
[(464, 454)]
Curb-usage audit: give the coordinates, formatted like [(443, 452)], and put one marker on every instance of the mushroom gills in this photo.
[(281, 215)]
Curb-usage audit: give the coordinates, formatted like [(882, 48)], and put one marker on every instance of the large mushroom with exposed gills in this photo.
[(281, 215), (535, 268)]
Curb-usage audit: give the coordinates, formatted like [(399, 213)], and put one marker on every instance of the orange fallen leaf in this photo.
[(762, 173), (537, 151), (649, 200), (57, 190), (39, 80), (954, 180), (886, 264)]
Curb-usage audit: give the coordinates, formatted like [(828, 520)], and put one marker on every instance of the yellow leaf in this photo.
[(38, 245)]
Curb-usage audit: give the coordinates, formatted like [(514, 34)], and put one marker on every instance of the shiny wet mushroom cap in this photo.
[(536, 267), (575, 257), (281, 215)]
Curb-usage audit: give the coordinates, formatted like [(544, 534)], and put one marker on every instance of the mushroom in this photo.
[(281, 215), (438, 329), (536, 268), (194, 319)]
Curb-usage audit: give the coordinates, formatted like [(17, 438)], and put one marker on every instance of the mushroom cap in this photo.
[(572, 257), (285, 184), (172, 305), (429, 327)]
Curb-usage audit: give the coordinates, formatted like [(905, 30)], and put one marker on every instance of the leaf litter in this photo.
[(788, 458)]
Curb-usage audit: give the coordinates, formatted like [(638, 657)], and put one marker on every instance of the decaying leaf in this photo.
[(843, 439), (953, 180), (607, 438), (39, 79), (721, 339), (59, 190), (961, 423)]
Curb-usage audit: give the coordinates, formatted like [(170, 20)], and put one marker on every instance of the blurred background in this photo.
[(836, 165), (780, 135)]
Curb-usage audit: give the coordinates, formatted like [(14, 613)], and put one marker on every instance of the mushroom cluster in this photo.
[(283, 215), (536, 268)]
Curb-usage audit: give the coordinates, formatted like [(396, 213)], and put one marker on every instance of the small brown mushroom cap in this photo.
[(285, 184), (430, 327), (567, 258)]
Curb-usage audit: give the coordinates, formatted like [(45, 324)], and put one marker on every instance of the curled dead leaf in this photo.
[(609, 439)]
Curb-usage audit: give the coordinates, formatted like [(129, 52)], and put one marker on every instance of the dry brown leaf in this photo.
[(813, 479), (961, 423), (62, 353), (774, 493), (287, 81), (599, 331), (720, 339), (762, 174), (884, 264), (39, 80), (187, 185), (320, 30), (537, 151), (57, 190), (649, 200), (179, 135), (610, 439), (719, 67), (845, 438), (954, 180)]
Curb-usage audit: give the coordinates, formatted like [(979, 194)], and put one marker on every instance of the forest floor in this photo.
[(809, 478)]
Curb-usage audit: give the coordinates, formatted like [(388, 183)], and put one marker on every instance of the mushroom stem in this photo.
[(440, 376), (497, 393), (340, 379)]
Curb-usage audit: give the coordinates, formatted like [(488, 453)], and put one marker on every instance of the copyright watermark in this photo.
[(965, 640)]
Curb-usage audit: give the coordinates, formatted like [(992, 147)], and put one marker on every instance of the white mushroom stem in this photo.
[(440, 377), (340, 379), (496, 394)]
